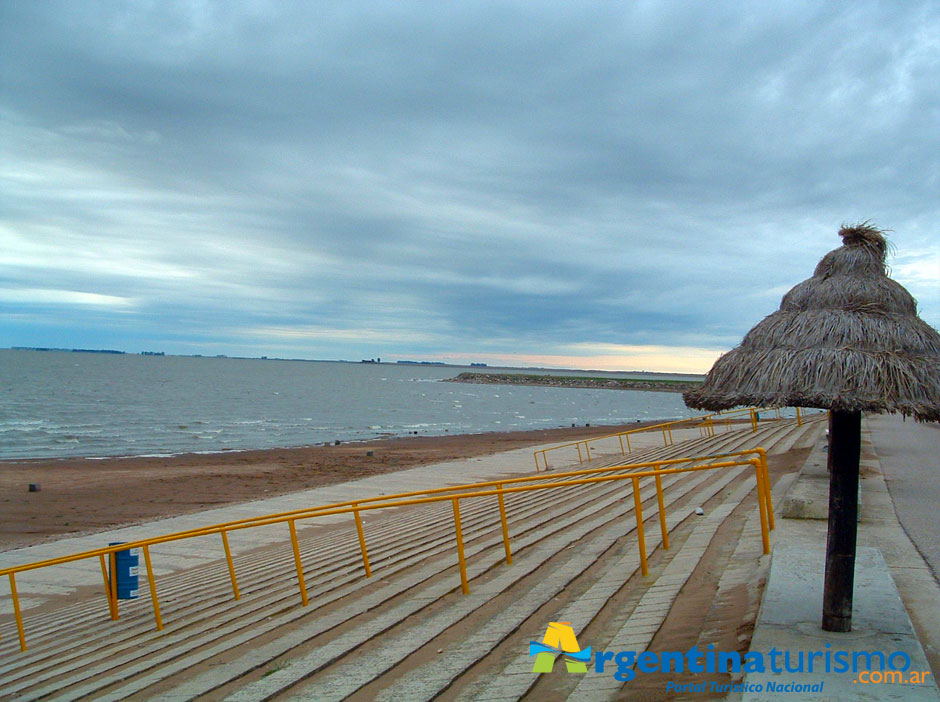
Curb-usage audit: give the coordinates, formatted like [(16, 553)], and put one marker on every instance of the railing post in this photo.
[(362, 541), (116, 613), (767, 497), (640, 537), (622, 452), (112, 604), (505, 524), (753, 420), (662, 507), (665, 440), (535, 454), (17, 613), (153, 588), (799, 418), (671, 440), (231, 565), (297, 563), (761, 495), (464, 586), (580, 459), (629, 448)]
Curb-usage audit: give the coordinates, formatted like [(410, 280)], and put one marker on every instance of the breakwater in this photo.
[(561, 381)]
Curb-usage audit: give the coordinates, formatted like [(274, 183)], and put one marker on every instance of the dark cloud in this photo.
[(466, 178)]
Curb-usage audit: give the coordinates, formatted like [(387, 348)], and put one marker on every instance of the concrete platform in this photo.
[(788, 624), (896, 595)]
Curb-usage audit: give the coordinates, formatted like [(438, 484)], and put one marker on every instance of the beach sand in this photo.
[(79, 496)]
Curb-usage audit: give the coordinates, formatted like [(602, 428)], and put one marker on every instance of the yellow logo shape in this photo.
[(559, 638)]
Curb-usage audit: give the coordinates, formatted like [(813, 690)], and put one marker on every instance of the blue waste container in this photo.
[(126, 569)]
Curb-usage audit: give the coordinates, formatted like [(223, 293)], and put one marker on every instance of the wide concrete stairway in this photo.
[(408, 632)]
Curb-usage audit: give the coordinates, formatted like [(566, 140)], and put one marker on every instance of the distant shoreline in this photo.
[(590, 382)]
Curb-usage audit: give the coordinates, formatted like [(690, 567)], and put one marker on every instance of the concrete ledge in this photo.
[(789, 623), (808, 496)]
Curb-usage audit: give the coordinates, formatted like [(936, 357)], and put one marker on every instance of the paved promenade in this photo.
[(910, 460)]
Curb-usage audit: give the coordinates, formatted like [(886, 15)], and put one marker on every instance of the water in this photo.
[(61, 404)]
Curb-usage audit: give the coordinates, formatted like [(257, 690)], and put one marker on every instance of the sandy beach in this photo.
[(79, 496)]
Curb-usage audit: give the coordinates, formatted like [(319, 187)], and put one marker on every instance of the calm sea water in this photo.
[(62, 404)]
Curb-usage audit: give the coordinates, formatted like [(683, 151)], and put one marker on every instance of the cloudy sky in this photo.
[(624, 185)]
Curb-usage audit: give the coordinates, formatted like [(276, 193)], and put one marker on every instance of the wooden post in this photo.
[(845, 441)]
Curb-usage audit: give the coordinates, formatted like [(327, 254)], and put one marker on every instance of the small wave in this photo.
[(18, 424)]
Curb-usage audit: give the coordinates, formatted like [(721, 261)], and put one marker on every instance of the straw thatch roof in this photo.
[(849, 338)]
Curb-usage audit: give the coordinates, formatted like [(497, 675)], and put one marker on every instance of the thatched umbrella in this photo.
[(848, 340)]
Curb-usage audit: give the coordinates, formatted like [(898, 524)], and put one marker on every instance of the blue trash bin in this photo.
[(126, 569)]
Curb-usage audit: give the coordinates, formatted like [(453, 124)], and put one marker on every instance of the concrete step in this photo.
[(420, 586), (183, 634), (805, 436), (431, 679), (57, 618), (450, 538), (161, 588), (396, 526), (766, 432), (644, 622), (646, 618), (276, 673), (344, 679)]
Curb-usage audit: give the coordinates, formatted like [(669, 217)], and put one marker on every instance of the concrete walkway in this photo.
[(910, 459), (896, 595), (35, 588)]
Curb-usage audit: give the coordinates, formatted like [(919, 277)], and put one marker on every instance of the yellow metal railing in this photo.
[(706, 423), (757, 458)]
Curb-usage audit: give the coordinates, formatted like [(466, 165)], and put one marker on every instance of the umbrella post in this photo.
[(845, 439)]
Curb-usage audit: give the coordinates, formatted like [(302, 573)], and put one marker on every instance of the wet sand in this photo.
[(79, 496)]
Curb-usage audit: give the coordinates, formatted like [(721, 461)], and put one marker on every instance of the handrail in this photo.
[(666, 427), (469, 491), (320, 510)]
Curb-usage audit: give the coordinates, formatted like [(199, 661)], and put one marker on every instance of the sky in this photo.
[(617, 185)]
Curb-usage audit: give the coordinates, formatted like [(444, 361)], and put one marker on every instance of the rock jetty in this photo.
[(561, 381)]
